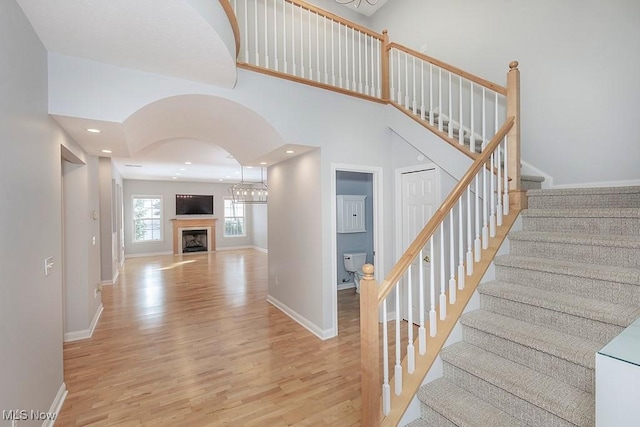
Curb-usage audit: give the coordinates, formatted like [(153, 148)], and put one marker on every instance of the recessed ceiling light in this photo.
[(174, 177), (133, 166), (93, 130), (263, 163), (220, 179), (249, 167), (107, 151), (187, 163), (289, 151), (183, 169), (228, 176)]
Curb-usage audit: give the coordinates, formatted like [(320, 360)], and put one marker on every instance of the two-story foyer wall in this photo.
[(168, 191)]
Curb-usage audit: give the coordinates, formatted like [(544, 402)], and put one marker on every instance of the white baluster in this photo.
[(301, 44), (340, 82), (359, 62), (391, 79), (266, 36), (346, 58), (422, 112), (398, 366), (492, 216), (324, 40), (461, 273), (443, 286), (431, 94), (366, 65), (353, 57), (246, 32), (461, 131), (433, 324), (275, 34), (440, 109), (476, 243), (333, 57), (472, 144), (386, 389), (505, 202), (374, 81), (284, 36), (452, 261), (485, 227), (293, 39), (309, 50), (318, 76), (255, 33), (499, 211), (469, 234), (414, 104), (406, 80), (399, 82), (450, 126), (379, 66), (411, 351), (422, 331)]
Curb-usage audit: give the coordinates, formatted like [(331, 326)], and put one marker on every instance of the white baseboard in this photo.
[(259, 249), (112, 281), (234, 248), (148, 254), (301, 320), (626, 183), (56, 406), (348, 285), (528, 169), (85, 333)]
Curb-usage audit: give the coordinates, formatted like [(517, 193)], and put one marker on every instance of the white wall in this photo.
[(30, 223), (259, 230), (579, 60), (168, 191), (81, 254)]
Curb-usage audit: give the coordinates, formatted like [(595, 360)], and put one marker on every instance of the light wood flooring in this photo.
[(191, 341)]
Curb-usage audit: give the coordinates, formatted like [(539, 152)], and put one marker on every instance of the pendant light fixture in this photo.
[(356, 3), (249, 192)]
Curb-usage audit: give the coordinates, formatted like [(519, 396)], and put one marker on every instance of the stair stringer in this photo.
[(451, 160), (424, 363)]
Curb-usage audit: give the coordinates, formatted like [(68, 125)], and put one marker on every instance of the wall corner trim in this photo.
[(85, 333), (301, 320), (56, 406)]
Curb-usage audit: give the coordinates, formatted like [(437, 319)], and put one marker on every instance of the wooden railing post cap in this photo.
[(367, 269), (513, 65)]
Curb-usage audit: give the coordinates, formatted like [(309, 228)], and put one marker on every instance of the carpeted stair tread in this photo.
[(463, 408), (559, 192), (533, 178), (572, 268), (601, 311), (567, 347), (418, 423), (541, 390), (627, 242), (582, 213)]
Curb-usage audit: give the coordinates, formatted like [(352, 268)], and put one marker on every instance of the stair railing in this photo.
[(299, 41)]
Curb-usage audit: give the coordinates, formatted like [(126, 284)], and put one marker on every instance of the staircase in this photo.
[(570, 284)]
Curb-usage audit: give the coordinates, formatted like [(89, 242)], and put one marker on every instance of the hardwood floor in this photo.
[(191, 341)]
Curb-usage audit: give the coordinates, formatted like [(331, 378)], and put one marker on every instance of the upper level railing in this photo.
[(301, 42)]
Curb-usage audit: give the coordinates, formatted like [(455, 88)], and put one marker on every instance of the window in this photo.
[(233, 218), (147, 218)]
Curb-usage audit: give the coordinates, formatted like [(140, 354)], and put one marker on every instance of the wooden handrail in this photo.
[(233, 20), (479, 80), (423, 237), (336, 18)]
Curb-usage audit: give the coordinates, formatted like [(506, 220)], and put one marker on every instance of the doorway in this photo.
[(355, 180), (419, 197)]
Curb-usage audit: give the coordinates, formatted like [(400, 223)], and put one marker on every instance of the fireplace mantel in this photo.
[(179, 223)]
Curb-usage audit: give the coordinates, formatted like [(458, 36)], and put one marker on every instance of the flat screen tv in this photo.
[(194, 204)]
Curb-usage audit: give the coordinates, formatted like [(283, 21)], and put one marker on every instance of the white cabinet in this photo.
[(351, 217)]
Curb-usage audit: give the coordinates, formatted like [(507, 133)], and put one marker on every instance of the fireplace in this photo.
[(194, 241), (195, 235)]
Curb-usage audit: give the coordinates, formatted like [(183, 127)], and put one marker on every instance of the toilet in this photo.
[(353, 263)]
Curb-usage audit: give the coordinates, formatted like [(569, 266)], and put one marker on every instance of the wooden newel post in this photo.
[(369, 349), (385, 65), (517, 197)]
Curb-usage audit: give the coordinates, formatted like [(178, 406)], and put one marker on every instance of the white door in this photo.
[(419, 202)]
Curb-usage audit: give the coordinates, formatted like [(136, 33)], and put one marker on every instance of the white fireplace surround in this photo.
[(183, 229)]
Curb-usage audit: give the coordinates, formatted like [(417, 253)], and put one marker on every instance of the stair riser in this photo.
[(602, 255), (530, 185), (582, 201), (593, 330), (433, 418), (603, 226), (608, 291), (503, 400), (573, 374)]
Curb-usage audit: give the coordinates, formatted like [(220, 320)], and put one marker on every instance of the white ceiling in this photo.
[(167, 37)]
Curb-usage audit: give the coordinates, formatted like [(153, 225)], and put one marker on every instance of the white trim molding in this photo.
[(301, 320), (259, 249), (346, 285), (148, 254), (56, 406), (626, 183), (85, 333)]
